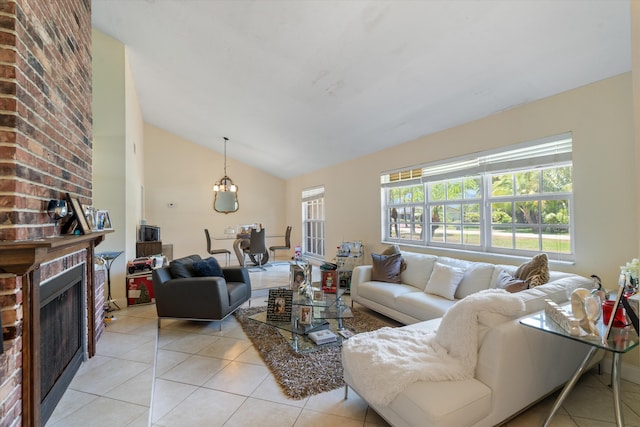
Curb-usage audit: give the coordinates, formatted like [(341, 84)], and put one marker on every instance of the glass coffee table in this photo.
[(328, 313)]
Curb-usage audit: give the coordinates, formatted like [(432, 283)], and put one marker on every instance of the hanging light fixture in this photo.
[(225, 198)]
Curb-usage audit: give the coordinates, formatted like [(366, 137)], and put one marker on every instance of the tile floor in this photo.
[(212, 378)]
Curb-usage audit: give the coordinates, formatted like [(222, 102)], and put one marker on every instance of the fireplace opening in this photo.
[(62, 335)]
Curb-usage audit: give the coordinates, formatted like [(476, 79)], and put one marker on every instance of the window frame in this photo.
[(548, 153), (313, 222)]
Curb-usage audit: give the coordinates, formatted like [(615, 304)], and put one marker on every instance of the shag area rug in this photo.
[(301, 375)]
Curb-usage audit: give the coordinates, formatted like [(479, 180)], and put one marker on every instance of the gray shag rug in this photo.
[(302, 375)]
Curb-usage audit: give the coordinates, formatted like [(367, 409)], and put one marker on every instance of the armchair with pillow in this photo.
[(197, 289)]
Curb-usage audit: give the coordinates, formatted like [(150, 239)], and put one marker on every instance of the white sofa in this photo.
[(516, 367)]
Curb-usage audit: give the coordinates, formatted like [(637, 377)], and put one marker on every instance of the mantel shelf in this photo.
[(22, 256)]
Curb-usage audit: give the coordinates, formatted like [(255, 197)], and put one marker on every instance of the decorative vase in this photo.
[(620, 318)]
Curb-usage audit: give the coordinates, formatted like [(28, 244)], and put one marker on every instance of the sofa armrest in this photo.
[(360, 274), (236, 274)]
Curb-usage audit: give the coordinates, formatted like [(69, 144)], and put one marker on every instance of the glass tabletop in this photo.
[(327, 313), (621, 340), (327, 300)]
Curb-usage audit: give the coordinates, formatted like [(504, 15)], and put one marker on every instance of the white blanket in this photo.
[(382, 363)]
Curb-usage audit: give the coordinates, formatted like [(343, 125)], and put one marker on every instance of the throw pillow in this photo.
[(444, 280), (534, 272), (395, 249), (207, 268), (510, 283), (181, 268), (386, 268)]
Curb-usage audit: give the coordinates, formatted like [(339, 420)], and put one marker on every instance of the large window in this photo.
[(514, 201), (313, 222)]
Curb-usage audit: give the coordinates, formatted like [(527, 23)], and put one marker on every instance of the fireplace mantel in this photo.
[(20, 257)]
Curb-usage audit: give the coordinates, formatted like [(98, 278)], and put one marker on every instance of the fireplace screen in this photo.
[(62, 335)]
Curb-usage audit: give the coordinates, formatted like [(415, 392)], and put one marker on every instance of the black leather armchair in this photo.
[(180, 293)]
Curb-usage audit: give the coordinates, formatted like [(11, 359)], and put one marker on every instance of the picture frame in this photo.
[(318, 295), (90, 213), (103, 220), (330, 281), (305, 315), (279, 305), (78, 217), (299, 274)]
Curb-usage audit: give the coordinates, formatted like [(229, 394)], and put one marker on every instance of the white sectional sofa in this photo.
[(516, 366)]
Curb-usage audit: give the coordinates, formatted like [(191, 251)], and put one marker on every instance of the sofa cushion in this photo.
[(183, 267), (386, 268), (207, 268), (422, 306), (477, 275), (534, 272), (444, 403), (444, 280), (383, 293), (419, 267), (395, 249)]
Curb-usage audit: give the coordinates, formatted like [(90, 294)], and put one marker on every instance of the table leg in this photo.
[(615, 384), (569, 386)]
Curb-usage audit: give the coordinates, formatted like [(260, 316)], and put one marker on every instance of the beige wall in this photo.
[(134, 163), (635, 67), (117, 166), (183, 173)]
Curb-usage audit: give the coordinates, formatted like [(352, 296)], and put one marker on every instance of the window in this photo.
[(514, 201), (313, 222)]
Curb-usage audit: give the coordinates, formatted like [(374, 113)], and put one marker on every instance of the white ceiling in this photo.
[(299, 85)]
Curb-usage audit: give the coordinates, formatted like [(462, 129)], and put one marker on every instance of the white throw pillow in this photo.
[(444, 280)]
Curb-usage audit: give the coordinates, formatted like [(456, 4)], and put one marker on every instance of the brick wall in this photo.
[(45, 144)]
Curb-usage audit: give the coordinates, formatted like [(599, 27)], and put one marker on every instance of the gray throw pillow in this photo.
[(386, 268), (182, 268), (395, 249), (510, 283)]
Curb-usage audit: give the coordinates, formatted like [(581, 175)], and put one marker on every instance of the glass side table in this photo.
[(620, 340), (108, 258)]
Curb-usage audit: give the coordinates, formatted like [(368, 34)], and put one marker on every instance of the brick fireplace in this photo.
[(45, 152)]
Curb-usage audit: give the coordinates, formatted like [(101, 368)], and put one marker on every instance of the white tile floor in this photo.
[(213, 378)]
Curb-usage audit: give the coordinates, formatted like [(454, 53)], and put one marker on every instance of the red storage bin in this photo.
[(140, 289)]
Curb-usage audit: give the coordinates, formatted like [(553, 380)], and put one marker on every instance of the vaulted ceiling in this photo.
[(298, 85)]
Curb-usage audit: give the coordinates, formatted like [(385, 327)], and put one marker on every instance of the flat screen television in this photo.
[(149, 233)]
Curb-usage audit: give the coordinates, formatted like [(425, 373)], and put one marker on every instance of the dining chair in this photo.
[(287, 244), (211, 251), (257, 248)]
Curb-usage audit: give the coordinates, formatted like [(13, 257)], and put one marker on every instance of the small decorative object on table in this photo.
[(562, 318), (329, 281), (630, 271), (322, 337)]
